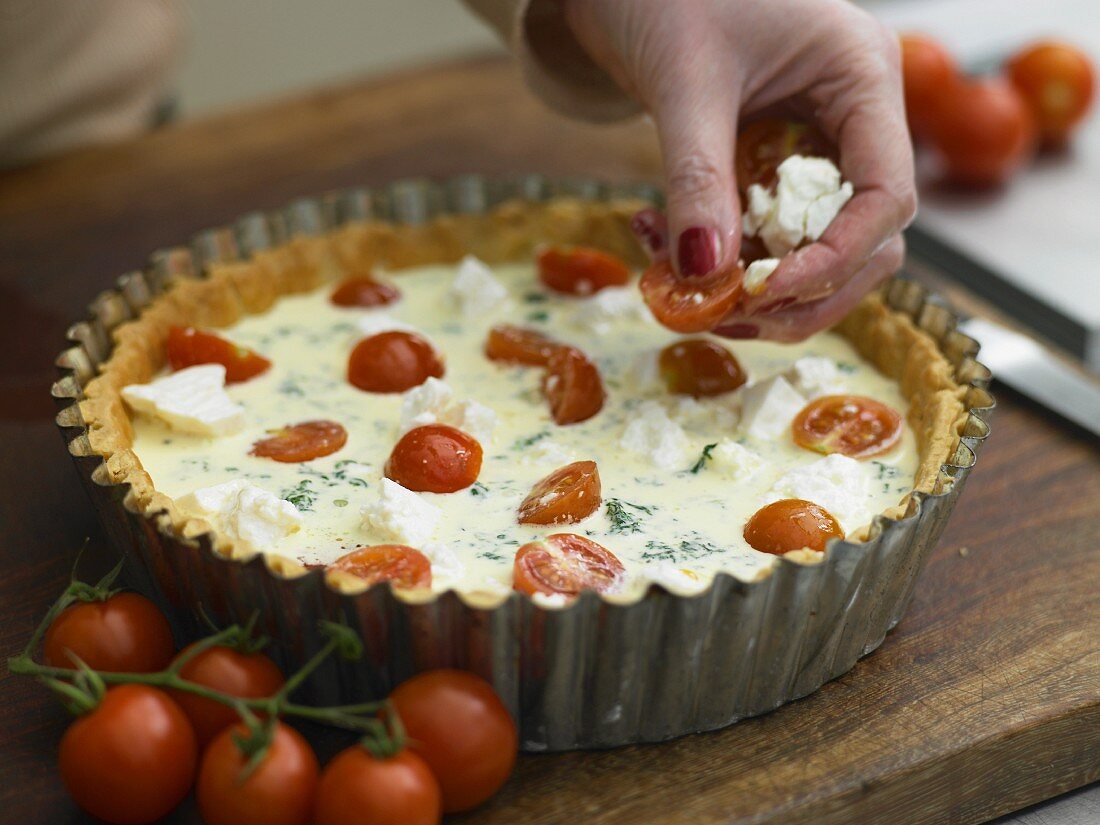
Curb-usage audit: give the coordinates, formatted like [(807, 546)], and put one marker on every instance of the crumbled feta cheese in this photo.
[(476, 419), (644, 371), (768, 407), (815, 375), (758, 273), (807, 199), (376, 322), (434, 402), (400, 515), (476, 289), (447, 570), (735, 461), (192, 400), (611, 304), (652, 433), (676, 579), (254, 519), (836, 482), (546, 451), (705, 414), (552, 601)]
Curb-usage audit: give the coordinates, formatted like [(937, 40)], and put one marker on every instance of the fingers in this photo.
[(798, 322), (650, 227)]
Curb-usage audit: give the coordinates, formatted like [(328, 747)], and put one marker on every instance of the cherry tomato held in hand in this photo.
[(791, 524), (572, 386), (516, 345), (695, 304), (435, 458), (247, 675), (764, 144), (393, 361), (125, 634), (566, 496), (699, 368), (928, 73), (406, 567), (984, 131), (457, 724), (132, 759), (302, 442), (280, 790), (1057, 81), (565, 563), (363, 292), (852, 425), (359, 789), (188, 347), (580, 271)]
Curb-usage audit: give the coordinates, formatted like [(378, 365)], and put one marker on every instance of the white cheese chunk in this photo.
[(615, 303), (400, 515), (551, 601), (476, 289), (653, 434), (192, 400), (815, 376), (768, 407), (549, 452), (836, 482), (375, 322), (757, 274), (254, 519), (447, 570), (676, 579), (705, 415), (434, 402), (735, 461)]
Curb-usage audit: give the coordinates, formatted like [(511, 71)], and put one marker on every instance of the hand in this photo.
[(697, 67)]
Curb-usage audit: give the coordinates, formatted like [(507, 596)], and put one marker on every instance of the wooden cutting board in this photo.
[(984, 700)]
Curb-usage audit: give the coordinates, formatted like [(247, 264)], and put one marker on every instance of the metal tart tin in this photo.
[(594, 674)]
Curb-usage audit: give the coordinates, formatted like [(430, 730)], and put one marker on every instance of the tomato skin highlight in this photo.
[(566, 564), (435, 458), (405, 567), (127, 633), (928, 73), (356, 789), (699, 368), (188, 347), (696, 304), (132, 759), (393, 361), (247, 675), (853, 425), (363, 291), (509, 344), (457, 724), (279, 791), (302, 442), (791, 524), (580, 270), (764, 144), (572, 386), (569, 494), (1057, 81)]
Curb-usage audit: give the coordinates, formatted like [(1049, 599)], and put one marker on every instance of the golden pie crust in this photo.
[(885, 337)]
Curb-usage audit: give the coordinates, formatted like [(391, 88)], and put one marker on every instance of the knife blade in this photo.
[(1035, 371)]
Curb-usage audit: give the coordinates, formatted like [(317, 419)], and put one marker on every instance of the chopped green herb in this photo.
[(687, 550), (339, 502), (290, 386), (704, 457), (621, 520), (478, 489), (302, 496), (538, 317), (536, 297), (846, 368), (490, 555), (520, 443), (232, 469)]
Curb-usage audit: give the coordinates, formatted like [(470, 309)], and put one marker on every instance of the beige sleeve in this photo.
[(554, 65)]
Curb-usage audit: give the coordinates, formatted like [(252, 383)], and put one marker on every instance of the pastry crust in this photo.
[(512, 231)]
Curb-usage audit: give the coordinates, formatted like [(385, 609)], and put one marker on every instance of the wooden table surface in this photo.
[(984, 700)]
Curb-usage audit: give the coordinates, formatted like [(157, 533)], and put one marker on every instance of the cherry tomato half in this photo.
[(357, 788), (1057, 82), (572, 386), (393, 361), (435, 458), (699, 368), (566, 496), (565, 563), (853, 425), (764, 144), (457, 724), (279, 790), (188, 347), (516, 345), (928, 73), (791, 524), (125, 634), (580, 271), (696, 304), (302, 442), (404, 566), (984, 131), (132, 759), (364, 291), (247, 675)]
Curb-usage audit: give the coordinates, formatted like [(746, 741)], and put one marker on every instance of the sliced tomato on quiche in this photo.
[(568, 495), (393, 361), (435, 458), (188, 347), (406, 567), (301, 442), (509, 344), (691, 304), (853, 425), (580, 270), (791, 524), (566, 564), (699, 368), (364, 291), (572, 386)]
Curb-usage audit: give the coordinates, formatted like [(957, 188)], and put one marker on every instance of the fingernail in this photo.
[(646, 226), (697, 251), (742, 331), (775, 306)]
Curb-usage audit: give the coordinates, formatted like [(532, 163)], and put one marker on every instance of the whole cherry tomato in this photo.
[(132, 759), (516, 345), (435, 458), (457, 724), (699, 368), (566, 496), (246, 675), (360, 789), (791, 524), (1057, 81), (188, 347), (580, 271), (928, 73), (393, 361), (852, 425), (984, 130), (696, 304), (363, 291), (280, 790), (566, 564), (302, 442), (572, 386), (125, 634), (405, 566)]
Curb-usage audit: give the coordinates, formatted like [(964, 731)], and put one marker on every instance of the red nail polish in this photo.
[(644, 226), (697, 251), (743, 331)]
